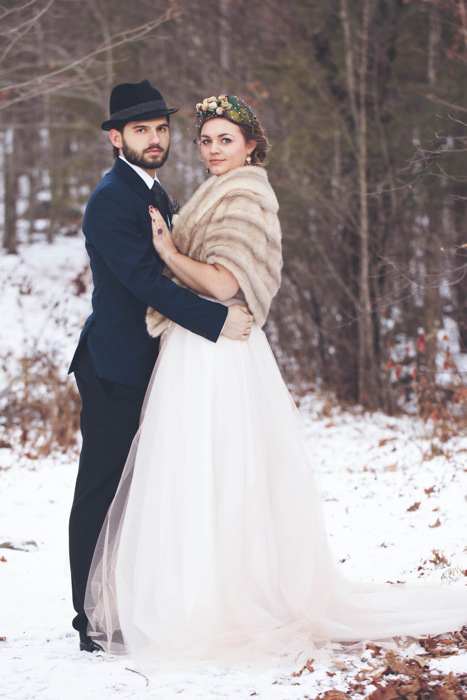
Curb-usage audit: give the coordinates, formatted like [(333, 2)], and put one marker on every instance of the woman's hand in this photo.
[(161, 238)]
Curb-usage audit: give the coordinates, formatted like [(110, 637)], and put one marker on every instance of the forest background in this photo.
[(363, 104)]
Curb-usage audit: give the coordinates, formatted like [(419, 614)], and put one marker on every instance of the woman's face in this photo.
[(223, 145)]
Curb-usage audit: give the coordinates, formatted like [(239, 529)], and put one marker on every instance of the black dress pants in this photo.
[(109, 421)]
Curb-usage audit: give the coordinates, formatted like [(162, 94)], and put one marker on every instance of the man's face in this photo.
[(144, 143)]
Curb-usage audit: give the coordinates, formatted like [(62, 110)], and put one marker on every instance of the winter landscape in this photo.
[(364, 106), (394, 492)]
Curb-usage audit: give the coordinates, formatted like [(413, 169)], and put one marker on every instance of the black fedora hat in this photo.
[(132, 101)]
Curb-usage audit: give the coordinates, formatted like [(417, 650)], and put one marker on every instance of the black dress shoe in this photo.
[(88, 644)]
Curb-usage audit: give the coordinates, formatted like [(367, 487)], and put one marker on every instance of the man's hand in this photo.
[(238, 323)]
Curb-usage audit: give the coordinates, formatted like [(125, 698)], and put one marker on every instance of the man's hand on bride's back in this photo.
[(238, 324)]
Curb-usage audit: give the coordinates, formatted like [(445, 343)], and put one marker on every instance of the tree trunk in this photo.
[(431, 310), (10, 242), (368, 390), (434, 37), (460, 266), (224, 31)]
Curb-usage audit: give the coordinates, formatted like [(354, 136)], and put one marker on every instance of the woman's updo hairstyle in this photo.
[(237, 111)]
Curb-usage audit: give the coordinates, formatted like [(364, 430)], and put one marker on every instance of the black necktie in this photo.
[(160, 199)]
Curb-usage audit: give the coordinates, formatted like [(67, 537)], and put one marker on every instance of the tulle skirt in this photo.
[(214, 547)]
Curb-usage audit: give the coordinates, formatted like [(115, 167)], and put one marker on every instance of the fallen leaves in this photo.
[(333, 695), (385, 441), (390, 468), (390, 675), (444, 687), (436, 524), (439, 558), (414, 507), (307, 667), (445, 644)]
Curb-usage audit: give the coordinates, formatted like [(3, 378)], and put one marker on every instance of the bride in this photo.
[(214, 546)]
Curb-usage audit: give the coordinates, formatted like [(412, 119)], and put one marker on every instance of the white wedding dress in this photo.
[(214, 547)]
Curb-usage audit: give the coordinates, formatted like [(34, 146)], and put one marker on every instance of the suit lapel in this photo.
[(132, 179), (140, 188)]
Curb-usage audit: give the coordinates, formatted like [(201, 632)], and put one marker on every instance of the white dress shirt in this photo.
[(142, 173)]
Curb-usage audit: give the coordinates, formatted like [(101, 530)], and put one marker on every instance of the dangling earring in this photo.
[(248, 160), (208, 171)]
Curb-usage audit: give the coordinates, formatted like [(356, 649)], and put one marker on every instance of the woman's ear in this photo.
[(251, 145)]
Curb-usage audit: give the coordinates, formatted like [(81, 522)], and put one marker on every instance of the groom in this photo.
[(115, 354)]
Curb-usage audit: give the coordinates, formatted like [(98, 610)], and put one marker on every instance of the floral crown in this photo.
[(229, 106)]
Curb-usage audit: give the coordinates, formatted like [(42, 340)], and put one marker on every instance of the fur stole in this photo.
[(232, 220)]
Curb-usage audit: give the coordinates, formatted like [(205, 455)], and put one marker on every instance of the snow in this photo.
[(373, 469)]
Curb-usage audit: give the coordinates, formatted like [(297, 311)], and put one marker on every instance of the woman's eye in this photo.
[(226, 140), (205, 142)]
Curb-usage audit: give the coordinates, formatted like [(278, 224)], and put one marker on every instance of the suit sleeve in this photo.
[(130, 257)]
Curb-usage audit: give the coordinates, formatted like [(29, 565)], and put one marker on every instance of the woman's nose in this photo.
[(214, 147)]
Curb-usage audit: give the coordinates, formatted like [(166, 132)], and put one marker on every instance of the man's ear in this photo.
[(116, 138)]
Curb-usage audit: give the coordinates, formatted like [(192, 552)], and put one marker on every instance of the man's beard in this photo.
[(144, 159)]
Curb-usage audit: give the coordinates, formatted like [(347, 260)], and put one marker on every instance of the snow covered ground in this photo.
[(394, 503)]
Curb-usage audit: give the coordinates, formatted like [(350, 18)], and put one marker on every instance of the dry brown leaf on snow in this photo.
[(436, 524), (409, 667), (446, 644), (307, 667), (390, 468), (430, 490), (375, 648), (413, 508), (439, 559), (333, 695), (385, 441), (384, 693)]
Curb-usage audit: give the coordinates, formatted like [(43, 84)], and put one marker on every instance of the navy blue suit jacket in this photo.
[(127, 276)]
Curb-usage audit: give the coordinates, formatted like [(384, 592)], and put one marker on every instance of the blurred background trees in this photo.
[(363, 103)]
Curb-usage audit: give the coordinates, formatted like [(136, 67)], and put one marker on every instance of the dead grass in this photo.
[(40, 409)]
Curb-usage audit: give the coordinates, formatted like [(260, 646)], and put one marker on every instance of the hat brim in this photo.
[(154, 114)]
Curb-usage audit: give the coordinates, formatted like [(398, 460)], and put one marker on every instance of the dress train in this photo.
[(214, 547)]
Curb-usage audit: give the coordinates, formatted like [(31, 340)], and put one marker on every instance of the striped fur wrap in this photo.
[(232, 220)]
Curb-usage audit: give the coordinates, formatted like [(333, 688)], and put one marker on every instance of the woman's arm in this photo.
[(212, 280)]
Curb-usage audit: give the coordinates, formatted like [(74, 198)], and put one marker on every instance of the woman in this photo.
[(214, 546)]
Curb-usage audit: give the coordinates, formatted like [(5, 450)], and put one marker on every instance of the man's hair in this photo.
[(120, 126)]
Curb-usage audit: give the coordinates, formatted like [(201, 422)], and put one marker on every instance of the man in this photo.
[(115, 354)]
